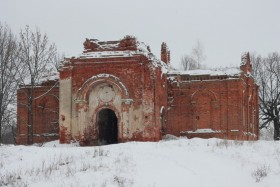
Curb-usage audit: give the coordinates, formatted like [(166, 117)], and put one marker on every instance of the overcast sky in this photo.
[(227, 28)]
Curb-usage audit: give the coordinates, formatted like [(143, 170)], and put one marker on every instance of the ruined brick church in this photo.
[(118, 91)]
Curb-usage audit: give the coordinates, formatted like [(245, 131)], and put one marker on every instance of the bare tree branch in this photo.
[(267, 72), (194, 61), (8, 47), (36, 58)]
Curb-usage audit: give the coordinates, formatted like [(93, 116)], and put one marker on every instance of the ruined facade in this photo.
[(207, 104), (117, 91)]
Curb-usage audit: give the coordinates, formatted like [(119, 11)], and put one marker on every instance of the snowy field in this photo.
[(171, 163)]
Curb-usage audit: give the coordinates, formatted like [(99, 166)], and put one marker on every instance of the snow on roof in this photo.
[(108, 44), (49, 77), (96, 45), (213, 72), (106, 54), (111, 50)]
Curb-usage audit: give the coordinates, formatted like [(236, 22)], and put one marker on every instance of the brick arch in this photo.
[(111, 107), (212, 94), (95, 118), (204, 104), (89, 104), (84, 91)]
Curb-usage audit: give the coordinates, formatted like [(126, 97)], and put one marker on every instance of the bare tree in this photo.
[(36, 55), (188, 63), (58, 59), (8, 47), (198, 53), (267, 74), (194, 61)]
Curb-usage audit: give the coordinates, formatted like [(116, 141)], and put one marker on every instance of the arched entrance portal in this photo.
[(108, 127)]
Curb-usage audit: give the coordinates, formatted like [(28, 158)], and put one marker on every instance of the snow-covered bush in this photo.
[(12, 179), (261, 172)]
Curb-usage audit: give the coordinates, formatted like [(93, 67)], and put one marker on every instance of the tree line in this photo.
[(24, 59)]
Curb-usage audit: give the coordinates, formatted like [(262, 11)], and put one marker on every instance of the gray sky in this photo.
[(226, 28)]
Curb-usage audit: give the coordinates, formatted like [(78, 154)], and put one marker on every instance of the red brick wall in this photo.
[(220, 106), (45, 114)]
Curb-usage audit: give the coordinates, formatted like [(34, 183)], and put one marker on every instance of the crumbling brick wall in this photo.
[(214, 106)]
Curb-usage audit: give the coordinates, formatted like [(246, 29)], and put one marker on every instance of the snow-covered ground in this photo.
[(176, 162)]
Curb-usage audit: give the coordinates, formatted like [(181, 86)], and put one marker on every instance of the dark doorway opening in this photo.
[(108, 127)]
